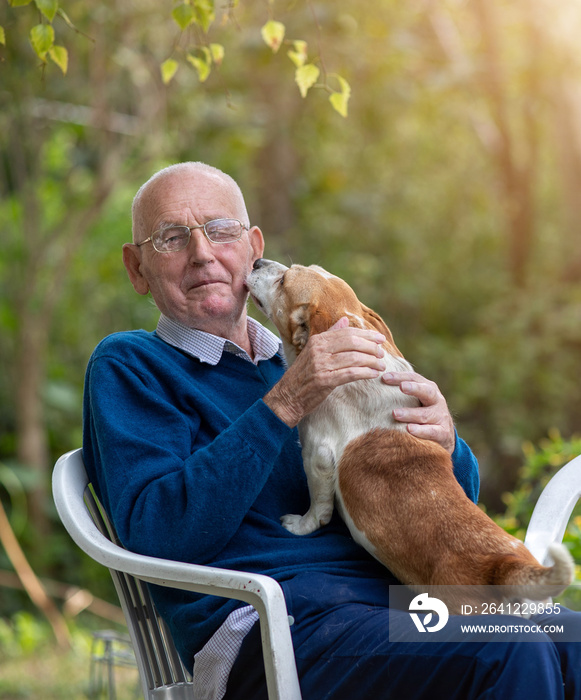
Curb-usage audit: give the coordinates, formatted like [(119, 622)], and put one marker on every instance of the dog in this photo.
[(396, 493)]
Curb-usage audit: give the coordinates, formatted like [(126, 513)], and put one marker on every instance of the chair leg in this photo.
[(104, 657)]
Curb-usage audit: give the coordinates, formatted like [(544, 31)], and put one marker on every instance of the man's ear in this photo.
[(300, 326), (256, 240), (132, 262)]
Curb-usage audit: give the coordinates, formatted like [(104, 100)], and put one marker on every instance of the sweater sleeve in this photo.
[(165, 499), (466, 469)]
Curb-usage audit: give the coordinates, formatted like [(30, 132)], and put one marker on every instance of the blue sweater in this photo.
[(192, 465)]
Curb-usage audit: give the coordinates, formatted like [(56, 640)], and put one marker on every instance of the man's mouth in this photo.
[(205, 283)]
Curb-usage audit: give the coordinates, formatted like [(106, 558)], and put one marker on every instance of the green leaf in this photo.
[(204, 10), (202, 67), (168, 70), (183, 15), (306, 77), (19, 3), (42, 39), (217, 51), (339, 100), (2, 36), (273, 34), (298, 54), (61, 57), (48, 8)]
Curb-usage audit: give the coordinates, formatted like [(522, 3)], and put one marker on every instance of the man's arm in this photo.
[(158, 480)]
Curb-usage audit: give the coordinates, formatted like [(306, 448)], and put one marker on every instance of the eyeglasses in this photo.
[(171, 239)]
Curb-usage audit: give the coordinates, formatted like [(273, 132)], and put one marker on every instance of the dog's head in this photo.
[(302, 301)]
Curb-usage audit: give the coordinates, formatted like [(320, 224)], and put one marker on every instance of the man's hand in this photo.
[(431, 420), (328, 360)]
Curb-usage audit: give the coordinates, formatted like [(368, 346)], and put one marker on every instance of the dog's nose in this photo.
[(261, 262)]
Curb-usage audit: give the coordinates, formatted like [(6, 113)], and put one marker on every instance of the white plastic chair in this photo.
[(553, 510), (161, 671)]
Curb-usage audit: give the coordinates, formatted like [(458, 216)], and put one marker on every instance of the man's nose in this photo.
[(200, 247)]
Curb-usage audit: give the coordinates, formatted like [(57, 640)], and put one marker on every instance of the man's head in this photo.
[(202, 285)]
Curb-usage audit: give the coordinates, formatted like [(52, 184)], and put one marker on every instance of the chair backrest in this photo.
[(161, 671)]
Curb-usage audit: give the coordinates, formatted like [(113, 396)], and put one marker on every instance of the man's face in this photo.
[(201, 286)]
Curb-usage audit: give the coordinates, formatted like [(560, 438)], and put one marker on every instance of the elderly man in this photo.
[(190, 441)]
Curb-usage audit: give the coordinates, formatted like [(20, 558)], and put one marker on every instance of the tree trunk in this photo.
[(567, 120), (32, 444), (515, 179)]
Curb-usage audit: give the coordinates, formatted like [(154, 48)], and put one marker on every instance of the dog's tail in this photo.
[(536, 582)]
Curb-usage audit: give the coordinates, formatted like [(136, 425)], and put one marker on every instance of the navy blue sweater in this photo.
[(192, 465)]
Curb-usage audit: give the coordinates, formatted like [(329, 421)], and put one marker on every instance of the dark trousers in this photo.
[(342, 650)]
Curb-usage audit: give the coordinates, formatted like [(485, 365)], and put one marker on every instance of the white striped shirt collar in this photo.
[(209, 348)]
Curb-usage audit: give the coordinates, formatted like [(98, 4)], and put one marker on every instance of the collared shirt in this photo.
[(209, 348), (214, 662)]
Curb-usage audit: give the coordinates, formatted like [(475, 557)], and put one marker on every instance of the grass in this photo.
[(32, 666)]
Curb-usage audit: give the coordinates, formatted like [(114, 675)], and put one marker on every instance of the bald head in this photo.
[(147, 193)]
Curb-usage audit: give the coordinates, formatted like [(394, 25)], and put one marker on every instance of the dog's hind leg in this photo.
[(319, 463)]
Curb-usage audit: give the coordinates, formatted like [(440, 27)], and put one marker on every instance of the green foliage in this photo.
[(32, 667), (194, 19), (24, 634), (273, 34), (42, 39), (541, 463), (339, 99), (306, 76)]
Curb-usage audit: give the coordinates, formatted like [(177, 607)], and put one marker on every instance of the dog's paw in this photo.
[(299, 524)]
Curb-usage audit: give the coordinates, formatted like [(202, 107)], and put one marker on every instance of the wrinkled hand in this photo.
[(328, 360), (431, 420)]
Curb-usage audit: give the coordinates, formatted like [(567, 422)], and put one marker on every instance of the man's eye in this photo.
[(174, 235)]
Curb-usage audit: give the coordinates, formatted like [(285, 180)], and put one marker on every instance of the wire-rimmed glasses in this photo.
[(172, 238)]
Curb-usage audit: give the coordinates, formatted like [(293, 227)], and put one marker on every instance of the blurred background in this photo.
[(449, 198)]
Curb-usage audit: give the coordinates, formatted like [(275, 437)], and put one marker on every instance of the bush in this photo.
[(540, 464)]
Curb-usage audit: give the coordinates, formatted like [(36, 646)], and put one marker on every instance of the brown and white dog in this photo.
[(396, 493)]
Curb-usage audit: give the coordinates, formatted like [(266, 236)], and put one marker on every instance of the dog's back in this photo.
[(402, 494)]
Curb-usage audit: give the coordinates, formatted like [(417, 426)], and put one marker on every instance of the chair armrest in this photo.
[(553, 510), (262, 592)]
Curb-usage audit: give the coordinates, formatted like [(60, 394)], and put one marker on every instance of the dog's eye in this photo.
[(282, 280)]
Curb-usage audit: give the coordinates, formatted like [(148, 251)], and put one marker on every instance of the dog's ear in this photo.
[(378, 323), (307, 320), (300, 326), (321, 320)]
